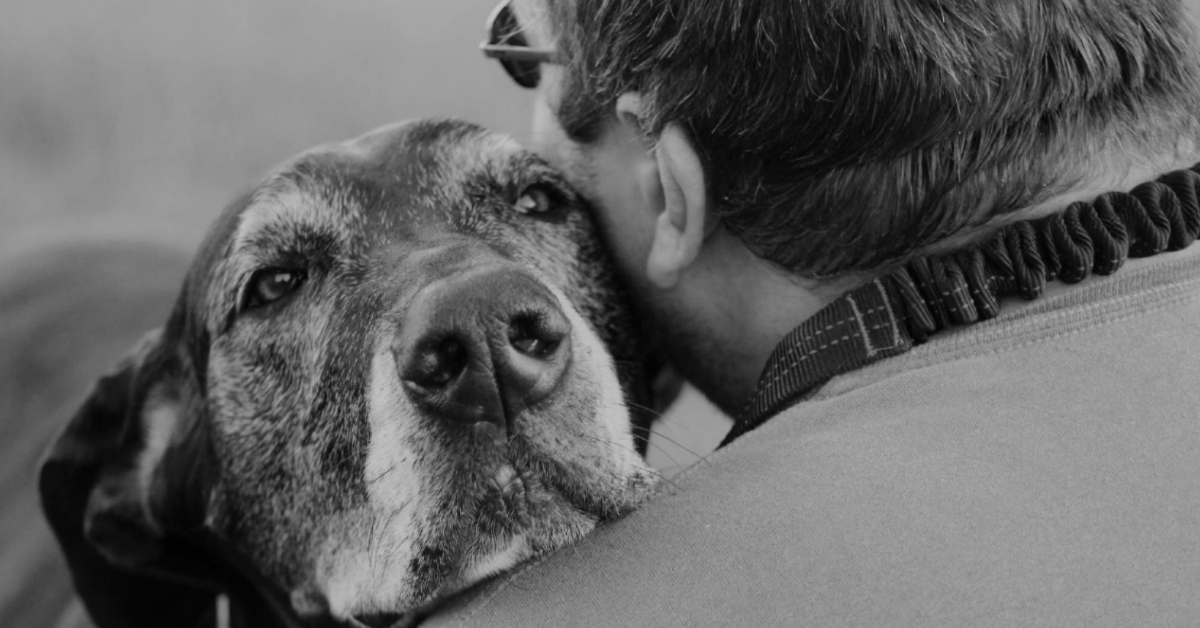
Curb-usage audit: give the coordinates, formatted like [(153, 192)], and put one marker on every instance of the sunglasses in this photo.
[(507, 44)]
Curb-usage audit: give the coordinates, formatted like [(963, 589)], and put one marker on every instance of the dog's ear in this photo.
[(106, 501)]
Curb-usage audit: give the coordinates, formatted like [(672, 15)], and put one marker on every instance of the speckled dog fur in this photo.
[(277, 442)]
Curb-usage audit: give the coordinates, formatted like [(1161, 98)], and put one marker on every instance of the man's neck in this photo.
[(772, 302), (1114, 174), (760, 303)]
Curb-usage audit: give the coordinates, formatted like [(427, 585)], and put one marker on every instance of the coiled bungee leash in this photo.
[(892, 314)]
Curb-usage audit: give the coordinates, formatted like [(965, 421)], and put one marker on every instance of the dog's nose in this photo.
[(482, 347)]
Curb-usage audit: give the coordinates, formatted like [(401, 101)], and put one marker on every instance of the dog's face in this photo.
[(399, 366)]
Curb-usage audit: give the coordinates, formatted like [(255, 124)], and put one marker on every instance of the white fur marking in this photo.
[(159, 419), (353, 579), (503, 560), (504, 475), (222, 611)]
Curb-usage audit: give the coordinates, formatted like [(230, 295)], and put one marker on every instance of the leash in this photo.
[(894, 313)]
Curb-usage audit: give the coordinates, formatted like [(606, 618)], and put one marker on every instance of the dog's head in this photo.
[(400, 365)]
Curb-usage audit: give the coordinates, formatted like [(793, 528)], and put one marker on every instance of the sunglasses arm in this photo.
[(518, 53)]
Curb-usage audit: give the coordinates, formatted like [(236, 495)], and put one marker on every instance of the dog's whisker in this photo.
[(394, 548), (669, 440), (382, 474), (649, 443), (666, 419), (676, 464), (676, 423), (372, 542), (637, 406), (699, 459), (627, 363), (651, 471)]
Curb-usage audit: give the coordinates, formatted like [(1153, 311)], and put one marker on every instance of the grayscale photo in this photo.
[(546, 313)]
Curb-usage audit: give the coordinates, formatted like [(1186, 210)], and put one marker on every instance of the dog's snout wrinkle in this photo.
[(483, 346)]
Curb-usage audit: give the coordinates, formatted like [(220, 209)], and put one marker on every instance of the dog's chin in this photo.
[(528, 503), (561, 469)]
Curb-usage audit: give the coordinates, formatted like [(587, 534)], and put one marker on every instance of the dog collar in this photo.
[(894, 313)]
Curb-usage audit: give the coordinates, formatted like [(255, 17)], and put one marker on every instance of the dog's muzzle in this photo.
[(482, 346)]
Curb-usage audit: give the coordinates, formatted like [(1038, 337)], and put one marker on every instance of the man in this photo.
[(800, 194)]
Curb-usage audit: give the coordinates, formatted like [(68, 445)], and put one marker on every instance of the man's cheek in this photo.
[(548, 136), (549, 139)]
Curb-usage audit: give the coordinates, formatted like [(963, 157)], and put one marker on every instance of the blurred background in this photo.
[(135, 121)]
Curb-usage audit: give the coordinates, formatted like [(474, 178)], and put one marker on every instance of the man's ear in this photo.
[(680, 228), (98, 487)]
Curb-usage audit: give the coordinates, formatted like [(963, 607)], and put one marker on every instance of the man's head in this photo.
[(817, 141)]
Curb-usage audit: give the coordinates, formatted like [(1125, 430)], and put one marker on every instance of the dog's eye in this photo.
[(270, 285), (535, 199)]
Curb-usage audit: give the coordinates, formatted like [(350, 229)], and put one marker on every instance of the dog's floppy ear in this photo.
[(97, 486)]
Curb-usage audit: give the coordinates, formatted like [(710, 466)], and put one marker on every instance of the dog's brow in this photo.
[(286, 204), (491, 151), (281, 221), (505, 144)]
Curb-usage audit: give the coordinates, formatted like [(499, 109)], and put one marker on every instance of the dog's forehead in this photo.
[(409, 170), (423, 147), (421, 165)]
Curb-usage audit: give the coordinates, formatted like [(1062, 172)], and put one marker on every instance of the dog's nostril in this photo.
[(530, 336), (379, 620), (437, 364)]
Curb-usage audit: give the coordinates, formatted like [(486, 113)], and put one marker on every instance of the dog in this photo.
[(397, 367)]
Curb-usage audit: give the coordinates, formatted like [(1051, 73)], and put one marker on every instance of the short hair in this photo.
[(845, 135)]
